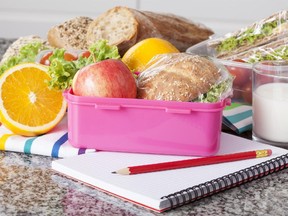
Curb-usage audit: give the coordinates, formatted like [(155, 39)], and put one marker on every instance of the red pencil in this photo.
[(193, 162)]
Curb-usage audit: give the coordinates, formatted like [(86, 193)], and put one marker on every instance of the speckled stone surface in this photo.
[(29, 187)]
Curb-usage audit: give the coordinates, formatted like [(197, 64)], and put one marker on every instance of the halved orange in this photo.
[(27, 105)]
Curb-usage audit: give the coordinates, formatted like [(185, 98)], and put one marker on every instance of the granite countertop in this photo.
[(29, 187)]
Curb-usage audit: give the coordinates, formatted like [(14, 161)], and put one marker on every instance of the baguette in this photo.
[(71, 34), (124, 27)]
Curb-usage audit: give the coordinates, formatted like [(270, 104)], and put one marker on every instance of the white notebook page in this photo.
[(148, 188)]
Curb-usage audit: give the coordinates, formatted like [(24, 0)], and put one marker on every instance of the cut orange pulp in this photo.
[(27, 105)]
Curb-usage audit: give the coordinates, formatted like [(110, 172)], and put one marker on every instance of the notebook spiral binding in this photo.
[(192, 194)]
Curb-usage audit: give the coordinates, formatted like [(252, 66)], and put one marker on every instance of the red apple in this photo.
[(107, 78)]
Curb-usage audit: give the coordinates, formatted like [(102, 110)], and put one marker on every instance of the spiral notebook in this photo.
[(165, 190)]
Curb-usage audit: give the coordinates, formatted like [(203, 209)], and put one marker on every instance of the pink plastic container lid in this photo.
[(144, 126)]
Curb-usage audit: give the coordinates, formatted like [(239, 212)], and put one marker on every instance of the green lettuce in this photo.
[(248, 37), (216, 92), (62, 71), (27, 53), (277, 54)]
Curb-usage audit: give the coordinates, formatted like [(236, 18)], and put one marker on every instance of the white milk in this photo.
[(270, 112)]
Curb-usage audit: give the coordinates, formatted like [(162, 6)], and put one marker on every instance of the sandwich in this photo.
[(184, 77), (276, 50), (265, 31), (62, 64), (24, 49)]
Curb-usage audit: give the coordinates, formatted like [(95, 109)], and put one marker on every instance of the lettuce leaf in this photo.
[(276, 54), (249, 36), (62, 72), (27, 53), (216, 92)]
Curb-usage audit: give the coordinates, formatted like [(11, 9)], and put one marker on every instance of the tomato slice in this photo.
[(45, 58), (239, 60), (70, 57), (85, 54)]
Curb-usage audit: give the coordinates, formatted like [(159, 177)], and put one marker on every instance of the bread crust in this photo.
[(177, 77), (71, 34), (181, 32), (116, 25)]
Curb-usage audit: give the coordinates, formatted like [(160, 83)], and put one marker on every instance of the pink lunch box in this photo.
[(144, 126)]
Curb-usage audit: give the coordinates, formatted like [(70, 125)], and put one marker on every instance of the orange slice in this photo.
[(142, 52), (27, 105)]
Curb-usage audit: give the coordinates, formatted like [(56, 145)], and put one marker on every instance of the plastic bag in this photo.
[(276, 50), (184, 77), (265, 31)]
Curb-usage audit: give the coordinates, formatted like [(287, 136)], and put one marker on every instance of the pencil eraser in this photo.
[(269, 152)]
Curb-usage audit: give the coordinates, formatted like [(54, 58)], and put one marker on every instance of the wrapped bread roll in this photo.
[(184, 77)]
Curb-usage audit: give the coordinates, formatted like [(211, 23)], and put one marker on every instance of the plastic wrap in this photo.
[(266, 39), (265, 31), (184, 77), (276, 50)]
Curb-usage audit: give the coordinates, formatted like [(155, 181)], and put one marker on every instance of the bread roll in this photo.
[(177, 77), (124, 27), (70, 34)]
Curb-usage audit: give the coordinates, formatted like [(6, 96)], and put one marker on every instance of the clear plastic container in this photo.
[(242, 84), (144, 126)]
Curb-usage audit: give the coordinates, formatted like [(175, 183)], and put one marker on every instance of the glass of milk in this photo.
[(270, 102)]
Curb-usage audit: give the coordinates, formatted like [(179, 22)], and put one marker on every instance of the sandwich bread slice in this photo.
[(259, 33), (276, 50)]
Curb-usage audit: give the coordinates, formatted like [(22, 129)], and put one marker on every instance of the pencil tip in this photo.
[(113, 172)]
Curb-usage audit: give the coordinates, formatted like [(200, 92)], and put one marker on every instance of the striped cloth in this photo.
[(238, 117), (54, 143)]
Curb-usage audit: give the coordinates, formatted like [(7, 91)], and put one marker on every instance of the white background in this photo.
[(25, 17)]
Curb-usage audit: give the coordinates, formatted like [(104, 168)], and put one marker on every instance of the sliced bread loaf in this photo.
[(124, 27), (118, 25)]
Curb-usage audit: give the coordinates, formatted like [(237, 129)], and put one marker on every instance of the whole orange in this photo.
[(142, 52)]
